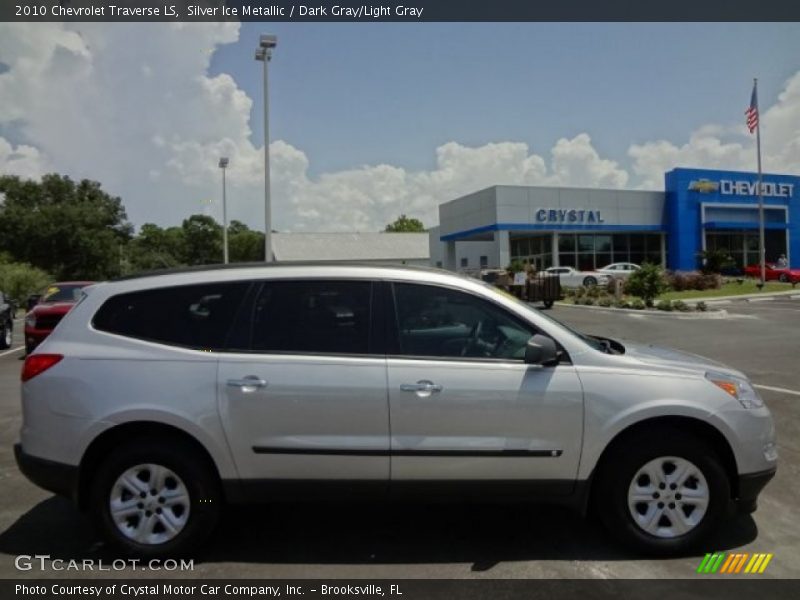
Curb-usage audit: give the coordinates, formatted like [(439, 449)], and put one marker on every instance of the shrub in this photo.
[(680, 281), (681, 306), (637, 304), (701, 306), (516, 266), (588, 301), (664, 305), (647, 283), (20, 280), (677, 281), (715, 261), (622, 304), (605, 301), (594, 291), (580, 292)]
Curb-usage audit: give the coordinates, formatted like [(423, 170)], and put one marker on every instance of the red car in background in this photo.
[(55, 302), (772, 272)]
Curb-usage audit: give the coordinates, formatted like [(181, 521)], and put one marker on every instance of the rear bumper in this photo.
[(750, 486), (52, 476)]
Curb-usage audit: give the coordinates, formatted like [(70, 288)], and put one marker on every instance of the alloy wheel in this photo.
[(668, 497), (149, 504)]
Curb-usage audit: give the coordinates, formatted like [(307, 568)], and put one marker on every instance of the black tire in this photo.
[(623, 463), (199, 478), (29, 348), (589, 281), (784, 278), (5, 335), (548, 304)]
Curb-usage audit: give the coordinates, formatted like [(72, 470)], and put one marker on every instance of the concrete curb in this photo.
[(747, 297), (712, 314)]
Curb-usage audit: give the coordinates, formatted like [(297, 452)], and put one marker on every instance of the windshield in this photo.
[(62, 293), (591, 341)]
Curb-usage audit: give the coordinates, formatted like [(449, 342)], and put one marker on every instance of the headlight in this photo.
[(30, 321), (738, 388)]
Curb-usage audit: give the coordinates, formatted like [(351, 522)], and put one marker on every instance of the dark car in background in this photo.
[(55, 302), (7, 310)]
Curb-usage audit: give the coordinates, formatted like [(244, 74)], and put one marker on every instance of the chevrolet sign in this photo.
[(750, 188)]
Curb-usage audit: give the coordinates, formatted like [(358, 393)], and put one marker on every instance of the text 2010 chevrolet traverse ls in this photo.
[(157, 399)]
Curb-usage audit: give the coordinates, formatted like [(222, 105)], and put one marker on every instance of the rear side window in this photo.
[(195, 316), (312, 317)]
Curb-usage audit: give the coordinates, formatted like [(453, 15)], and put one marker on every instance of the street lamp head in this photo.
[(223, 162), (268, 41), (261, 54)]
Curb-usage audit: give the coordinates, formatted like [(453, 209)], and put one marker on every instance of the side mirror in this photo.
[(541, 350)]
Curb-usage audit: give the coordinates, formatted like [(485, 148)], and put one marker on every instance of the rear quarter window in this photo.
[(193, 316)]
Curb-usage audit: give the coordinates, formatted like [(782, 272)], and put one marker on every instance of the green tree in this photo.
[(156, 248), (648, 283), (244, 244), (71, 230), (403, 224), (202, 240)]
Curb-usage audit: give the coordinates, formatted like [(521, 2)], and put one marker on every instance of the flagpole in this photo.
[(761, 249)]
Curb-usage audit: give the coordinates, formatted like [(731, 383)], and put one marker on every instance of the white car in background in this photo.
[(620, 270), (571, 277)]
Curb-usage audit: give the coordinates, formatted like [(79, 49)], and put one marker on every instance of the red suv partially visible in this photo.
[(56, 301)]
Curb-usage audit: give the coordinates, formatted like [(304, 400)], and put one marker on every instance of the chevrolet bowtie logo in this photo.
[(704, 186)]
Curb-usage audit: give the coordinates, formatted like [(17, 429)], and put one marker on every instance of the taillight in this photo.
[(38, 363)]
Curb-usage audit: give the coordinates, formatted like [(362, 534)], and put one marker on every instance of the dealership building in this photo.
[(590, 228)]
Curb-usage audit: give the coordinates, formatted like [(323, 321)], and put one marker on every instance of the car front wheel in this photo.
[(589, 281), (155, 500), (784, 278), (664, 494)]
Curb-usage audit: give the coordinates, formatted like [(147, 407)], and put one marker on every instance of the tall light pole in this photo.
[(264, 54), (223, 164)]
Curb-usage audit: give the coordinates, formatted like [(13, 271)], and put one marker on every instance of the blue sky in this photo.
[(369, 93), (371, 120)]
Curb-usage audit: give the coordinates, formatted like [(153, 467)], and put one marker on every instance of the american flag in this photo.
[(752, 112)]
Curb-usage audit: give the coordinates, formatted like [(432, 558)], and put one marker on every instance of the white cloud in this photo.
[(732, 148), (134, 107)]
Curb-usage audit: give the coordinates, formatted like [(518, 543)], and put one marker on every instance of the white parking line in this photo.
[(11, 351), (776, 389)]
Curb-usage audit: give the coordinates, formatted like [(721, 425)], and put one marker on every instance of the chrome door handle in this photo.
[(249, 383), (422, 387)]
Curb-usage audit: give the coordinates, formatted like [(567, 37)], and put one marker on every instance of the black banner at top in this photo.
[(397, 10)]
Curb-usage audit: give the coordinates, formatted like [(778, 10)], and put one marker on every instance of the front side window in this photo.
[(194, 316), (436, 321), (312, 317)]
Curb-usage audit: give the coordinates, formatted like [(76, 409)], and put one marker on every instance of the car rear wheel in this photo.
[(589, 281), (664, 493), (784, 278), (155, 500), (6, 331)]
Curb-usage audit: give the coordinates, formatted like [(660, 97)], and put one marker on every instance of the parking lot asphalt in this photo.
[(392, 541)]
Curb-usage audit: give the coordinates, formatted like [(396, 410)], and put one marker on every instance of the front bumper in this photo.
[(52, 476), (750, 486)]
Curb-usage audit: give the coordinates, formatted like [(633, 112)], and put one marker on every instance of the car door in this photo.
[(302, 386), (464, 406)]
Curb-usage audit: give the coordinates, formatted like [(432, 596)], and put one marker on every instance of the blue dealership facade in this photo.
[(589, 228)]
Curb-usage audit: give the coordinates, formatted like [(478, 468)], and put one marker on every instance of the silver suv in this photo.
[(158, 399)]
